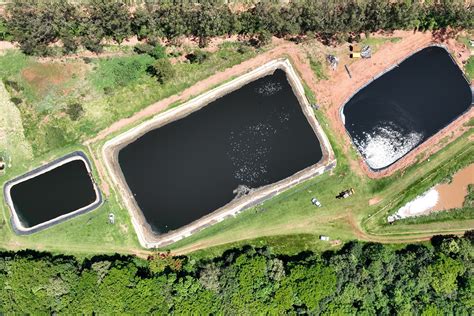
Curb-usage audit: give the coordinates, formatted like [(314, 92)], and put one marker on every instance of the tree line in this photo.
[(35, 25), (365, 278)]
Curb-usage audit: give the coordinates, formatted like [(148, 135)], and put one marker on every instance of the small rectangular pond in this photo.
[(220, 153), (52, 193), (405, 106)]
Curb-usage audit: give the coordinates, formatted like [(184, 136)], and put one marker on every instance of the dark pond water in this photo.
[(57, 192), (405, 106), (254, 136)]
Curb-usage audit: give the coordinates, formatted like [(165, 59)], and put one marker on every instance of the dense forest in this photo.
[(368, 278), (38, 24)]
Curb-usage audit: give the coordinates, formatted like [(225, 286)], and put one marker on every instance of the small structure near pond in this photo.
[(366, 52), (345, 194), (315, 202), (111, 218), (333, 61), (324, 238), (2, 166)]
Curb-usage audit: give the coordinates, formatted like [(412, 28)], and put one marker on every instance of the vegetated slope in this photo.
[(13, 145), (359, 278), (64, 102)]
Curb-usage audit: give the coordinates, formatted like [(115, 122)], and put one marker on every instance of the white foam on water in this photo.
[(249, 150), (419, 205), (269, 88), (386, 144)]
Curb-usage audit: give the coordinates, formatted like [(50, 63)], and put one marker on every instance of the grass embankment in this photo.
[(290, 223), (376, 42), (88, 233), (469, 68), (318, 67), (55, 105)]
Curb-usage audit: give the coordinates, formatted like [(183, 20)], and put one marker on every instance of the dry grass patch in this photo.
[(45, 77)]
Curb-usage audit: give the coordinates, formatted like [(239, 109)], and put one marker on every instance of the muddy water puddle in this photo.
[(451, 195)]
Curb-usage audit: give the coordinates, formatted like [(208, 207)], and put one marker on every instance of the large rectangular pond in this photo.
[(405, 106), (254, 136), (53, 192)]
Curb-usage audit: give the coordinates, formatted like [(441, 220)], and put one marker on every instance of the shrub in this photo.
[(156, 51), (142, 48), (469, 199), (16, 101), (198, 57), (263, 38), (120, 72), (243, 49), (92, 43), (74, 111), (5, 34), (13, 85), (163, 70)]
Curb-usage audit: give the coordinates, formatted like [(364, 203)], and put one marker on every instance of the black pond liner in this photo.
[(406, 105), (55, 220), (253, 136)]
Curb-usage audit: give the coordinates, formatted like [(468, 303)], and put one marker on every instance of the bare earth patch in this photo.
[(43, 77), (375, 200)]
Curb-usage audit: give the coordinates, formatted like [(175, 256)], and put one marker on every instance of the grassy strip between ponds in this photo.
[(469, 68)]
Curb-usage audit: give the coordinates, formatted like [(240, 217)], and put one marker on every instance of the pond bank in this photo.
[(111, 149)]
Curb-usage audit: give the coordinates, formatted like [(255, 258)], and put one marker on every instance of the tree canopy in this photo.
[(363, 278), (38, 24)]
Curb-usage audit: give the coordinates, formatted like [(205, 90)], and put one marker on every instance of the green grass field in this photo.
[(318, 68), (376, 42), (469, 68)]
